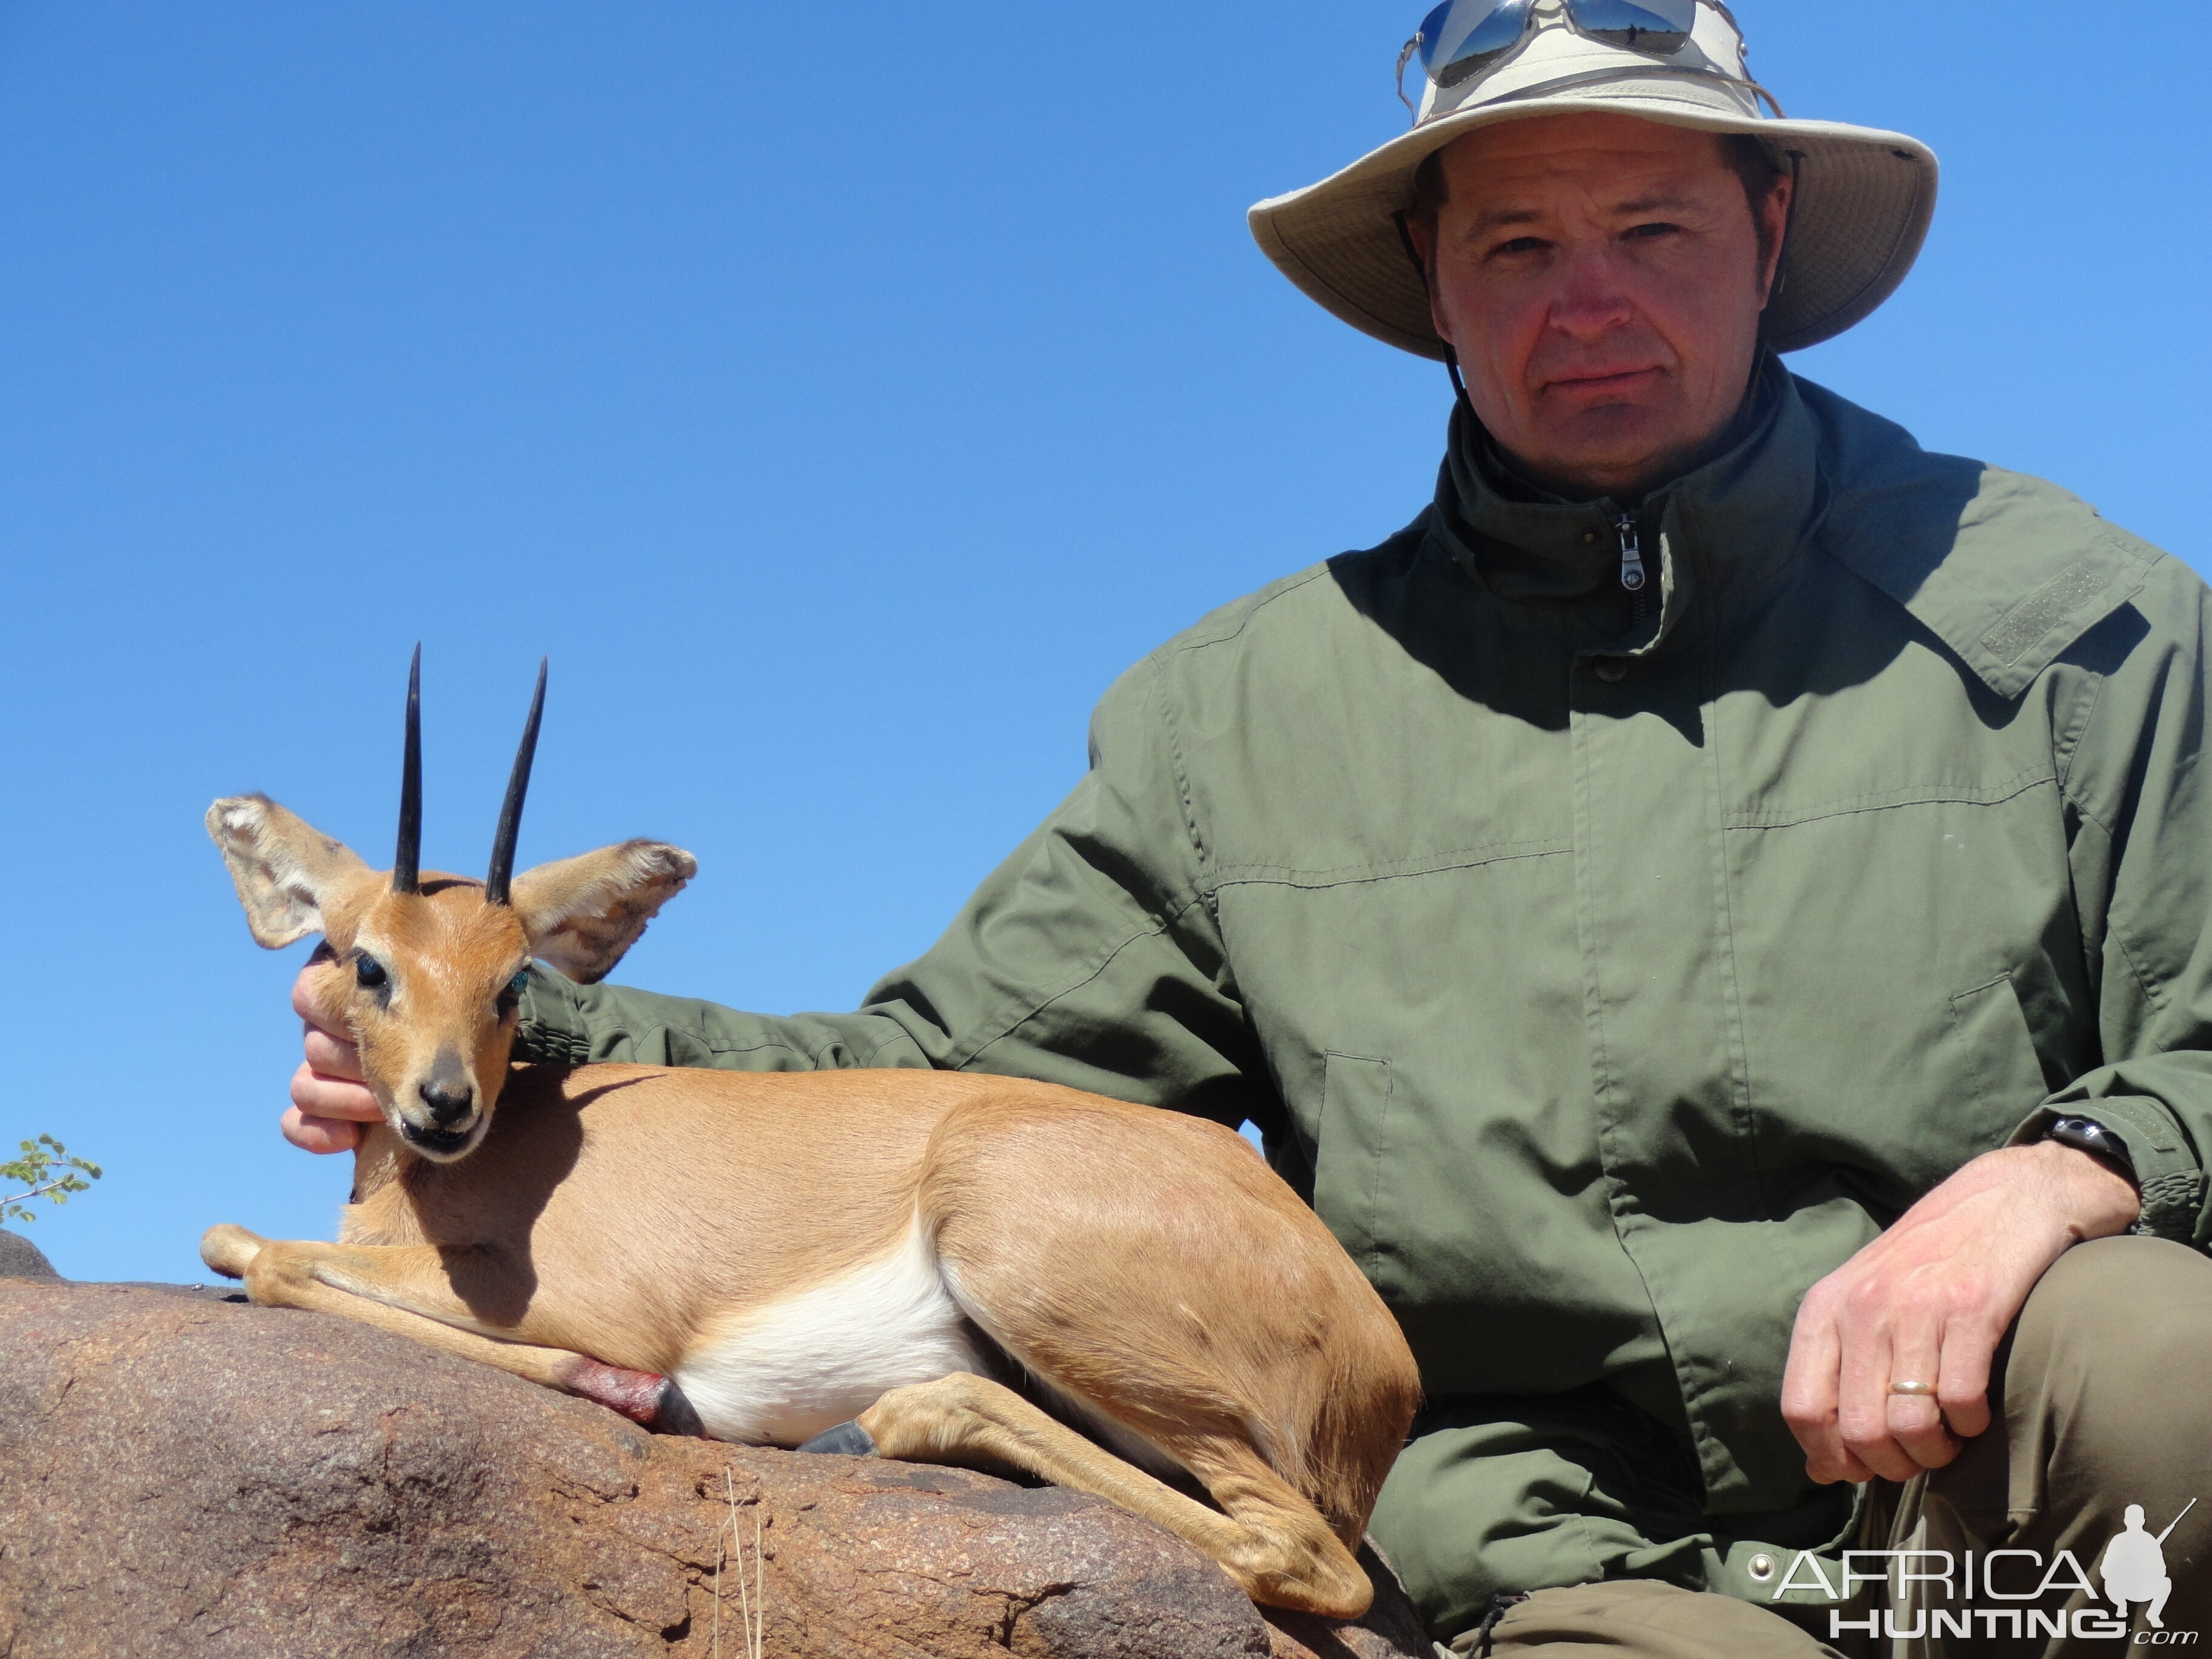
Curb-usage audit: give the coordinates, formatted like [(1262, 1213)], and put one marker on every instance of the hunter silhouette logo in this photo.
[(1936, 1594), (2134, 1568)]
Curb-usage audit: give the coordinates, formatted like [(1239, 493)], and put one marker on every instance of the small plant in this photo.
[(46, 1170)]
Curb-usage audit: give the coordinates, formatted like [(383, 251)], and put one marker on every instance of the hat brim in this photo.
[(1864, 201)]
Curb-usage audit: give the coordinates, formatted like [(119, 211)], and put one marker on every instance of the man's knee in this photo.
[(2124, 1323), (2104, 1402)]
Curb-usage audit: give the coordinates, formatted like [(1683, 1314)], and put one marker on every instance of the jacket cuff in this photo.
[(551, 1031), (2166, 1167)]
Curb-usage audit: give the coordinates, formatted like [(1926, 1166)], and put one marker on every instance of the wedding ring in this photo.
[(1912, 1388)]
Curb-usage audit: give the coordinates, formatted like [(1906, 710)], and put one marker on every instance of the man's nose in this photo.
[(1591, 297)]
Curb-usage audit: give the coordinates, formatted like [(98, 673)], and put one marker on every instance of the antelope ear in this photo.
[(582, 914), (289, 873)]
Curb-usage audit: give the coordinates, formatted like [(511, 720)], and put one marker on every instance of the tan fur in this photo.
[(281, 867), (1145, 1266), (584, 913)]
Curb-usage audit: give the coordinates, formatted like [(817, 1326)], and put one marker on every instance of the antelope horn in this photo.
[(407, 863), (510, 811)]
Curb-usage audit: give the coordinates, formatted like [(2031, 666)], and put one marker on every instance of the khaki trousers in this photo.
[(2106, 1384)]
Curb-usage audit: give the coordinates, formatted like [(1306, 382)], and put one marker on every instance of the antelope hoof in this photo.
[(673, 1413), (230, 1249), (847, 1439), (1337, 1590), (648, 1400)]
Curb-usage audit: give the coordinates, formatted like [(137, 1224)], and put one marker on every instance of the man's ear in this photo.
[(1420, 236), (582, 914), (289, 873)]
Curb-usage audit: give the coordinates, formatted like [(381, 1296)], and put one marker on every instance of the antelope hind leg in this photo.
[(404, 1289), (1274, 1544)]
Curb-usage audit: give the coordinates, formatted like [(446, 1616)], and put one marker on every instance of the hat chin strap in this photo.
[(1451, 356), (1458, 383), (1781, 282), (1789, 223)]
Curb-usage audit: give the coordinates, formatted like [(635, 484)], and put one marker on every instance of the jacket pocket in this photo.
[(1998, 1052), (1354, 1150)]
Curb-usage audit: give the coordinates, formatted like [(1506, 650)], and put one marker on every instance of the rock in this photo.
[(21, 1258), (193, 1477)]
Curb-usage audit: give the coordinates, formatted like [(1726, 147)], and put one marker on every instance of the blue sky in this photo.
[(841, 397)]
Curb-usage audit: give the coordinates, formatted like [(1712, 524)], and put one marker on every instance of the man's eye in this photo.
[(1522, 245), (1654, 229), (367, 972)]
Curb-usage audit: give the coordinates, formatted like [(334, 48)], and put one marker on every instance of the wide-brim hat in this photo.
[(1864, 197)]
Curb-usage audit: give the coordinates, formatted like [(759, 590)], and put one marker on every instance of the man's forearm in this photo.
[(568, 1024)]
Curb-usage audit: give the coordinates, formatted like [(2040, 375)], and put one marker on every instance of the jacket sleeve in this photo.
[(1089, 958), (2143, 861)]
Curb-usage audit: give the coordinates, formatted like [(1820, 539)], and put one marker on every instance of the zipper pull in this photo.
[(1631, 553)]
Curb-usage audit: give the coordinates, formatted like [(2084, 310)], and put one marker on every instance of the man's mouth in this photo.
[(1589, 386)]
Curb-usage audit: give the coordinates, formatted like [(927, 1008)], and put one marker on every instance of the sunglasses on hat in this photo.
[(1461, 37)]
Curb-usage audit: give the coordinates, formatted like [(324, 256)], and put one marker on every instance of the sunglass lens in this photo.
[(1658, 26), (1460, 36)]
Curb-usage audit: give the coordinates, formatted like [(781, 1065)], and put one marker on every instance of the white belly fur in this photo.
[(782, 1374)]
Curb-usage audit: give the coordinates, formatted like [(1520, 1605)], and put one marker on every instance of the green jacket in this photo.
[(1608, 972)]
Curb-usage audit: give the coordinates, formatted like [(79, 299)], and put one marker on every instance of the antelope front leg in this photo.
[(229, 1248), (407, 1290)]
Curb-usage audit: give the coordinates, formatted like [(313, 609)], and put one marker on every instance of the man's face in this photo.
[(1600, 278)]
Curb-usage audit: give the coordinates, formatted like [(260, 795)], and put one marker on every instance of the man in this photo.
[(1711, 913), (2134, 1570)]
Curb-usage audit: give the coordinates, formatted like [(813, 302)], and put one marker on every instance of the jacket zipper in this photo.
[(1631, 553), (1631, 560)]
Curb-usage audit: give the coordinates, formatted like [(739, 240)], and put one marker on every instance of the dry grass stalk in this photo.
[(752, 1596)]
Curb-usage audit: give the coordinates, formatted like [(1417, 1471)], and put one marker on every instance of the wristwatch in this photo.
[(2085, 1134)]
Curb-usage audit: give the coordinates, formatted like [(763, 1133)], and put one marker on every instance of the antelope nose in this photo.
[(449, 1102)]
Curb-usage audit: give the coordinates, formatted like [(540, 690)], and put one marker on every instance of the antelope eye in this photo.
[(367, 972)]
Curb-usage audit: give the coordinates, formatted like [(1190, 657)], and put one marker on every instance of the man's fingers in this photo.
[(319, 1134), (1928, 1302), (319, 989), (1849, 1471), (1862, 1400), (1963, 1382), (329, 1102), (1915, 1422), (331, 1055), (319, 1096), (1809, 1394)]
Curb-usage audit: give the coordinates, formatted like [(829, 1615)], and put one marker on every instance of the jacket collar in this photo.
[(1746, 510), (2006, 570)]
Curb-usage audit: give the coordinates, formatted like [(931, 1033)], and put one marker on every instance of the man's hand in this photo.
[(1928, 1302), (329, 1102)]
